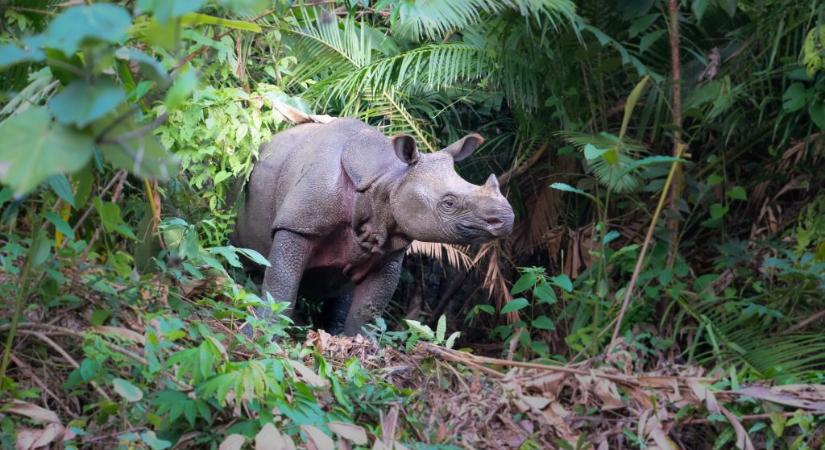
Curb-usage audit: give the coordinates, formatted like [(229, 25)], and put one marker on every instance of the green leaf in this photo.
[(152, 67), (30, 51), (567, 188), (592, 152), (729, 6), (543, 293), (60, 224), (543, 323), (441, 329), (111, 219), (163, 10), (630, 105), (698, 7), (715, 179), (256, 257), (203, 19), (142, 155), (817, 112), (50, 149), (514, 305), (151, 439), (650, 39), (717, 211), (641, 24), (451, 340), (78, 25), (524, 282), (127, 390), (82, 103), (737, 193), (563, 281), (794, 97), (60, 185), (420, 329), (181, 90)]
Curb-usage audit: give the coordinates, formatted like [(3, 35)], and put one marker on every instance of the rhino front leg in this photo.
[(371, 295), (288, 257)]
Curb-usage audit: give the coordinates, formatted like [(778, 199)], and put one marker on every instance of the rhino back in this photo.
[(298, 184)]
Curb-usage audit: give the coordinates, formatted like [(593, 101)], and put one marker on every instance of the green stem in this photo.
[(22, 292)]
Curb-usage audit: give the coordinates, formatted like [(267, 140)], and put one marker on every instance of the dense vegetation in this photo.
[(664, 287)]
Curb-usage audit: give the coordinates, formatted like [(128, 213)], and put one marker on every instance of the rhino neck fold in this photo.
[(374, 227)]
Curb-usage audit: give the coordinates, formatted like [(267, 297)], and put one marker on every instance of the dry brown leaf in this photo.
[(34, 412), (654, 431), (125, 333), (535, 402), (349, 431), (608, 393), (703, 394), (269, 438), (792, 395), (29, 438), (317, 438), (388, 424), (308, 375), (232, 442), (743, 441)]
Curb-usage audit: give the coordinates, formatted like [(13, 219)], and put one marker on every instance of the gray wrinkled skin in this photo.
[(335, 206)]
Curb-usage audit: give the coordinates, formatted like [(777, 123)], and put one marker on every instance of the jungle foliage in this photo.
[(670, 219)]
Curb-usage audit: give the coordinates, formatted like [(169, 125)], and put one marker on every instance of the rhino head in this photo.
[(432, 203)]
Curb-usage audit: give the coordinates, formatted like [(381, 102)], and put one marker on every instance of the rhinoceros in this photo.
[(334, 207)]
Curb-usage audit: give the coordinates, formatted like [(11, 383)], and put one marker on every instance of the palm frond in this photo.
[(731, 336), (454, 255), (329, 46), (436, 18), (431, 67)]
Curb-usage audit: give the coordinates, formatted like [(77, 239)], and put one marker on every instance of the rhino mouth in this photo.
[(486, 229)]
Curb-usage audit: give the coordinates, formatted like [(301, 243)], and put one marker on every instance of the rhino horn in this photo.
[(492, 183)]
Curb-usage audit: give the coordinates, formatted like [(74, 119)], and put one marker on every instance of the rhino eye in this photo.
[(449, 203)]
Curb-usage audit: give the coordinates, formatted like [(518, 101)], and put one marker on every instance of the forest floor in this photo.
[(454, 398)]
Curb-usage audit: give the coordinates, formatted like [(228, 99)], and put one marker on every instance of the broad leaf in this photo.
[(163, 10), (30, 51), (515, 305), (181, 90), (143, 155), (543, 323), (441, 329), (421, 329), (78, 25), (34, 148), (563, 281), (127, 390), (82, 103)]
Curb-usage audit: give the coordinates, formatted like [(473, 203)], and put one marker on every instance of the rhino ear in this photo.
[(464, 147), (405, 149)]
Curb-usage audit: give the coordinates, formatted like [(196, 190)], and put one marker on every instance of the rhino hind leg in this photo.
[(370, 296), (287, 258), (335, 312)]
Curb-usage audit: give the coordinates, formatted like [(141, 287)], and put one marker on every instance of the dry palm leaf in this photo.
[(454, 255)]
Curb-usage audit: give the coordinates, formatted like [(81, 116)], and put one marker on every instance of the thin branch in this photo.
[(65, 356), (676, 74), (648, 238)]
